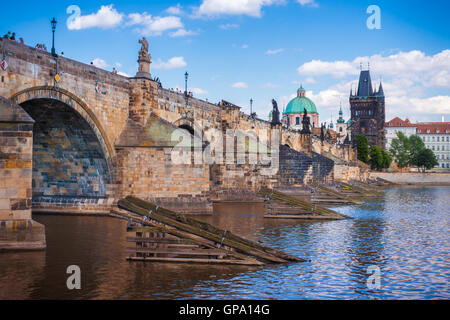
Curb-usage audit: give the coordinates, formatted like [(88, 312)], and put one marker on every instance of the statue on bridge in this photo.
[(275, 113), (144, 60), (306, 122), (144, 48)]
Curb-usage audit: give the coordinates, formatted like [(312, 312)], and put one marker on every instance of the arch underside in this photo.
[(69, 162)]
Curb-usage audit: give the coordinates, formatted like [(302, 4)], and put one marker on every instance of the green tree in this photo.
[(400, 150), (376, 158), (416, 145), (426, 160), (363, 148), (387, 159)]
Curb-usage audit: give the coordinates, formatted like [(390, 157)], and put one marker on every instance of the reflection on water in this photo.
[(405, 234)]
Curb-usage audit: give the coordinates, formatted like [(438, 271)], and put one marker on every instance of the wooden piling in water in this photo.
[(176, 227)]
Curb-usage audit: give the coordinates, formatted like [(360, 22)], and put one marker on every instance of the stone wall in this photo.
[(298, 168), (150, 174), (415, 178), (30, 68), (17, 230), (348, 172), (16, 148)]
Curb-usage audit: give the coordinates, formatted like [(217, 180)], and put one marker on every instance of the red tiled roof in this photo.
[(433, 127), (397, 122)]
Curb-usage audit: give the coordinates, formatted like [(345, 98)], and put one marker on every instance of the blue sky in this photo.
[(261, 49)]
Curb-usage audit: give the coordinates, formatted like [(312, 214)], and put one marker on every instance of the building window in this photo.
[(297, 121), (448, 139), (443, 165), (432, 139), (340, 129), (437, 139), (432, 148), (428, 131), (437, 131)]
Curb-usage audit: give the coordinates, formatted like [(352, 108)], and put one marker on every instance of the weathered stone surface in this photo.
[(100, 136)]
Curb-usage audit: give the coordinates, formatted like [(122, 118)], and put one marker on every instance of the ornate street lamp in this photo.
[(186, 75), (53, 22), (251, 107)]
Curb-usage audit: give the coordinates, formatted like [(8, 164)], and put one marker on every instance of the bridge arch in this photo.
[(190, 125), (72, 156), (77, 104)]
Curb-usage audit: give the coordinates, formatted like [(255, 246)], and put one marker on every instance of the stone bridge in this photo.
[(98, 136)]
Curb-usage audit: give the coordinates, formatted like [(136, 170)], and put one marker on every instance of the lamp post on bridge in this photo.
[(186, 76), (251, 107), (53, 22)]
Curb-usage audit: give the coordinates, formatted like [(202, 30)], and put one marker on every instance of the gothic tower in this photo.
[(368, 112)]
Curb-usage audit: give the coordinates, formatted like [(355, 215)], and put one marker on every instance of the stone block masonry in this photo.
[(17, 230)]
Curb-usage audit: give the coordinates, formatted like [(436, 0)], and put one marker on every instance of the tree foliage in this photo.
[(376, 158), (416, 145), (387, 159), (400, 150), (426, 160), (363, 148)]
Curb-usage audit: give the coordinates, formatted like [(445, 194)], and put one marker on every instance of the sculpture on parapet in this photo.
[(306, 122), (275, 113), (144, 60), (322, 132), (144, 48)]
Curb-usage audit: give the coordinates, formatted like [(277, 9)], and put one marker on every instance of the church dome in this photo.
[(300, 103)]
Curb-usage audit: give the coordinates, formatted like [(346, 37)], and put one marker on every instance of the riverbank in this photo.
[(414, 178)]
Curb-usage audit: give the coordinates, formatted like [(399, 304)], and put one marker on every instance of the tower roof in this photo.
[(365, 88)]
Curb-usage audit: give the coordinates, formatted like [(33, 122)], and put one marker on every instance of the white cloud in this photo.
[(244, 46), (173, 63), (311, 3), (99, 63), (337, 68), (228, 26), (275, 51), (252, 8), (106, 17), (123, 74), (240, 85), (198, 91), (175, 10), (182, 33), (413, 66), (153, 26)]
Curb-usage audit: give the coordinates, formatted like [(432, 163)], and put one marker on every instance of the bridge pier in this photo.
[(17, 230)]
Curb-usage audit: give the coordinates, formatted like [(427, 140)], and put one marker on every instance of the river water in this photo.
[(405, 235)]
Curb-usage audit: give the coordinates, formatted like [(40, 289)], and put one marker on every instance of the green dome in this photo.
[(299, 104)]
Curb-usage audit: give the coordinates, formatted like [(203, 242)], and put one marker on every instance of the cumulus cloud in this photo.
[(183, 33), (413, 65), (99, 63), (173, 63), (240, 85), (105, 18), (175, 10), (252, 8), (311, 3), (198, 91), (153, 26), (275, 51)]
